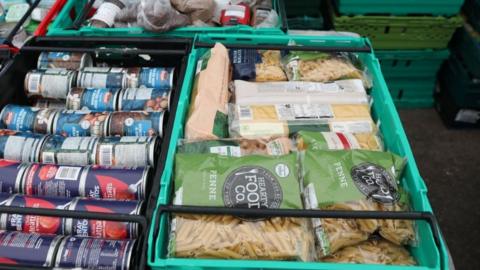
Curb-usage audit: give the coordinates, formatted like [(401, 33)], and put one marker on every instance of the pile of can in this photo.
[(88, 144)]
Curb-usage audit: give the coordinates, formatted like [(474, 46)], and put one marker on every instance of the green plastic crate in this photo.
[(383, 109), (62, 26), (411, 64), (305, 23), (401, 32), (414, 93), (400, 7)]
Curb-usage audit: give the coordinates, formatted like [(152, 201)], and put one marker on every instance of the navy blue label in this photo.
[(243, 62), (9, 178), (160, 78), (20, 118), (98, 99), (79, 124)]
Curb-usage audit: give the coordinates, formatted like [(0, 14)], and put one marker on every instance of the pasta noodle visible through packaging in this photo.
[(256, 65), (337, 141)]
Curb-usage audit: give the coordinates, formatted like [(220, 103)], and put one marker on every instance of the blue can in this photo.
[(5, 198), (60, 150), (80, 123), (25, 118), (92, 253), (67, 60), (144, 99), (93, 99), (11, 176), (28, 249), (20, 146), (136, 124), (156, 77), (102, 228), (100, 77)]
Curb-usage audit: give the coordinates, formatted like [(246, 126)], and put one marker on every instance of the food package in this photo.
[(197, 10), (356, 180), (337, 92), (337, 141), (254, 121), (254, 182), (207, 118), (256, 65), (264, 18), (374, 251), (238, 147)]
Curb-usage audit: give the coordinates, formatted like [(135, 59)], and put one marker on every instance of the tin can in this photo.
[(49, 83), (93, 99), (85, 181), (102, 228), (92, 253), (78, 151), (5, 198), (126, 151), (80, 123), (43, 103), (24, 118), (66, 60), (11, 176), (156, 77), (20, 146), (136, 124), (144, 99), (101, 77), (28, 249), (35, 223)]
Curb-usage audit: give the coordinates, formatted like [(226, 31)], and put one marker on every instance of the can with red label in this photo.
[(156, 77), (126, 151), (28, 249), (66, 60), (144, 99), (49, 83), (102, 77), (25, 118), (20, 146), (92, 253), (89, 181), (11, 176), (80, 123), (78, 151), (44, 103), (93, 99), (102, 228), (35, 223), (136, 124)]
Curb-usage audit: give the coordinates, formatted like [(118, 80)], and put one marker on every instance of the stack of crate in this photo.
[(410, 38)]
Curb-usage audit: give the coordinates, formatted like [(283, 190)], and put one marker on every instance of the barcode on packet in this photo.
[(245, 113), (106, 155), (34, 81), (67, 173)]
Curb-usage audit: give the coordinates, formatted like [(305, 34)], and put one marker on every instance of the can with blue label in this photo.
[(92, 253), (126, 151), (25, 118), (49, 83), (136, 124), (144, 99), (5, 198), (20, 146), (66, 60), (102, 77), (60, 150), (45, 103), (103, 228), (28, 249), (11, 177), (70, 123), (156, 77), (93, 99), (35, 223)]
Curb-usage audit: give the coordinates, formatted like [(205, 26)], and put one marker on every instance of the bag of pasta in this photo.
[(375, 251), (257, 65), (337, 141), (254, 121), (238, 147), (246, 182), (351, 180)]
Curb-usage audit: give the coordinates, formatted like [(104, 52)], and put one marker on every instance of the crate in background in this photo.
[(402, 7)]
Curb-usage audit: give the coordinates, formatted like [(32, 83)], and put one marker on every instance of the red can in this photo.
[(236, 14)]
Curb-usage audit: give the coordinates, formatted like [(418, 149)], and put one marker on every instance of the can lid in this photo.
[(116, 98), (54, 120), (172, 71), (145, 178), (93, 156), (169, 99), (83, 180), (152, 141), (38, 150), (20, 179), (130, 252), (63, 242), (106, 125), (122, 93), (52, 251), (160, 126), (40, 59), (86, 60)]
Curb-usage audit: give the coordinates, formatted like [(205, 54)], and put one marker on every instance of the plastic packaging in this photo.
[(265, 18), (197, 10), (256, 65), (337, 141)]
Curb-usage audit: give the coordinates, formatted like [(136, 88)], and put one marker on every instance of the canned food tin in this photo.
[(92, 253), (43, 103), (5, 198), (92, 99), (101, 77), (24, 118), (67, 60), (28, 249), (144, 99), (11, 176), (49, 83), (157, 77), (20, 146), (126, 151), (80, 123), (136, 124), (78, 151), (35, 223), (102, 228)]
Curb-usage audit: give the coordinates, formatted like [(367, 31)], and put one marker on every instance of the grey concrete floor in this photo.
[(449, 162)]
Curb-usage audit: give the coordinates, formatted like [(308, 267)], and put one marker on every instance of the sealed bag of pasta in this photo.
[(321, 67), (254, 121), (238, 147), (257, 65), (337, 141), (353, 180), (247, 182)]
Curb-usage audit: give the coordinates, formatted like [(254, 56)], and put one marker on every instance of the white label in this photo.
[(230, 151), (245, 113), (106, 152), (334, 142), (68, 173), (48, 157), (235, 11), (262, 129), (275, 148), (468, 116), (178, 197), (142, 94), (34, 83), (78, 159), (72, 143), (352, 127), (131, 155), (55, 86), (288, 112), (311, 201)]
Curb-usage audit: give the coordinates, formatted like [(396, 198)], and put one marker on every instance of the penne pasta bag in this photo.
[(337, 141), (257, 65), (248, 182)]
